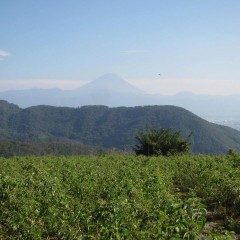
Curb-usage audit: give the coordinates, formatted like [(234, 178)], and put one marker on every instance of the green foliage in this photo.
[(111, 127), (13, 148), (160, 142), (117, 197)]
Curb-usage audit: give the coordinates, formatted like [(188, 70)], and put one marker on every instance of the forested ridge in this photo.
[(105, 127)]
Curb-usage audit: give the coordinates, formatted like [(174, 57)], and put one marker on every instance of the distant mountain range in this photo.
[(111, 127), (111, 90)]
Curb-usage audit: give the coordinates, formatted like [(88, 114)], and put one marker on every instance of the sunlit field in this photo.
[(120, 197)]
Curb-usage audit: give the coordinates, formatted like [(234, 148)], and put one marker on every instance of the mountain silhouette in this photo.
[(113, 91), (111, 83)]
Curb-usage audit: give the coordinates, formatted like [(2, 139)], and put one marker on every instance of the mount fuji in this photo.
[(113, 91), (110, 90)]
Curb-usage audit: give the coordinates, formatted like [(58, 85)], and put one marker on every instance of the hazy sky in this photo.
[(193, 44)]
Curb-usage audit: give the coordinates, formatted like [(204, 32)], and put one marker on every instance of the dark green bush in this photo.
[(160, 142)]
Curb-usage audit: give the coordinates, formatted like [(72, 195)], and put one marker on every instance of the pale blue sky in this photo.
[(194, 44)]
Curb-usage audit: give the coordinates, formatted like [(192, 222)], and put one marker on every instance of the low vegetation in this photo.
[(120, 197), (17, 148)]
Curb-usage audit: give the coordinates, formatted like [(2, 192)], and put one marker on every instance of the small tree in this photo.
[(160, 142)]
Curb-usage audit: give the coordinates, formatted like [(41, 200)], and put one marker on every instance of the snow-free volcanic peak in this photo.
[(110, 82)]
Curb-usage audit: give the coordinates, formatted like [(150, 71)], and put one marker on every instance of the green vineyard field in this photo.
[(120, 197)]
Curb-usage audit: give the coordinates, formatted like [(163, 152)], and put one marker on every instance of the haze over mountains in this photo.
[(65, 120), (111, 90)]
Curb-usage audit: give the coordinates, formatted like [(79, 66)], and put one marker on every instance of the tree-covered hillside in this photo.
[(113, 127)]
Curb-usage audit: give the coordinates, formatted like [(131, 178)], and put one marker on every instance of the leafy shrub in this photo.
[(160, 142)]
